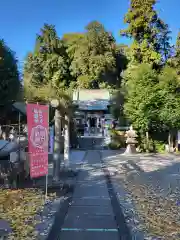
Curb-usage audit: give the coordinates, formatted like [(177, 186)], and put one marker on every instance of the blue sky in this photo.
[(20, 20)]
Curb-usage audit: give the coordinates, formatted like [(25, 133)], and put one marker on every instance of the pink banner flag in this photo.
[(38, 129)]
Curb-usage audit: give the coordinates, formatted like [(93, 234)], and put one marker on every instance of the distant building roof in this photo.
[(92, 99), (20, 106), (93, 94)]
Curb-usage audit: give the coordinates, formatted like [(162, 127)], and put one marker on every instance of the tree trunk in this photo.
[(66, 142), (178, 140), (170, 141), (56, 155), (147, 141)]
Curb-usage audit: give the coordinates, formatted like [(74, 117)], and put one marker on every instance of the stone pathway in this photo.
[(90, 142), (91, 214), (76, 158), (47, 216)]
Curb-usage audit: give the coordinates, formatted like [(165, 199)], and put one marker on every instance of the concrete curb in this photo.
[(59, 218), (48, 216), (55, 230), (129, 213)]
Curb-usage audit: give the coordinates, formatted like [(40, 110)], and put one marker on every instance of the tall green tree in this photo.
[(9, 75), (49, 62), (174, 61), (46, 77), (117, 106), (72, 41), (149, 33), (95, 60), (142, 97), (169, 89), (152, 101)]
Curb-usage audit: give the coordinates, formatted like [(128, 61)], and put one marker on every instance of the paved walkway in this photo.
[(90, 215), (76, 158)]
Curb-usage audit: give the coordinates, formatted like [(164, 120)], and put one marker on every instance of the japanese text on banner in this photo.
[(38, 124)]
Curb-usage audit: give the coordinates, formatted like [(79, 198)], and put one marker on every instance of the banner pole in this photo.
[(46, 191)]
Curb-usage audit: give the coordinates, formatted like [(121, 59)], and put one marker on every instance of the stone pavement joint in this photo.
[(89, 229)]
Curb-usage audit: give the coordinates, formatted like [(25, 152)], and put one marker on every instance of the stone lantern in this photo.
[(131, 141)]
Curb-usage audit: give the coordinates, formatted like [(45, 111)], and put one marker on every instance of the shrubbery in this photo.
[(118, 139), (159, 146), (114, 146), (151, 145)]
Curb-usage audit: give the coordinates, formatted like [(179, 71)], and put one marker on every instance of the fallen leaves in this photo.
[(159, 212), (19, 208), (154, 194)]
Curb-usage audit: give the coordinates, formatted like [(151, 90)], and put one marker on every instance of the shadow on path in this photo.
[(153, 182), (93, 211)]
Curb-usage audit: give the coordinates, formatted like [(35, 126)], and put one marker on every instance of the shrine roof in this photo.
[(90, 95)]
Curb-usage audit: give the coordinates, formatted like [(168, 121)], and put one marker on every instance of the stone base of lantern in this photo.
[(130, 149)]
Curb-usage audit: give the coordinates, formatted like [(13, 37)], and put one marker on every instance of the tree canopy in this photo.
[(97, 60), (169, 89), (149, 33), (150, 81), (48, 63), (144, 76), (174, 61), (142, 97), (86, 60), (9, 75)]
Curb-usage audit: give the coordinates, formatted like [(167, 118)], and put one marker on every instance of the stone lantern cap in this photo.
[(54, 103)]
